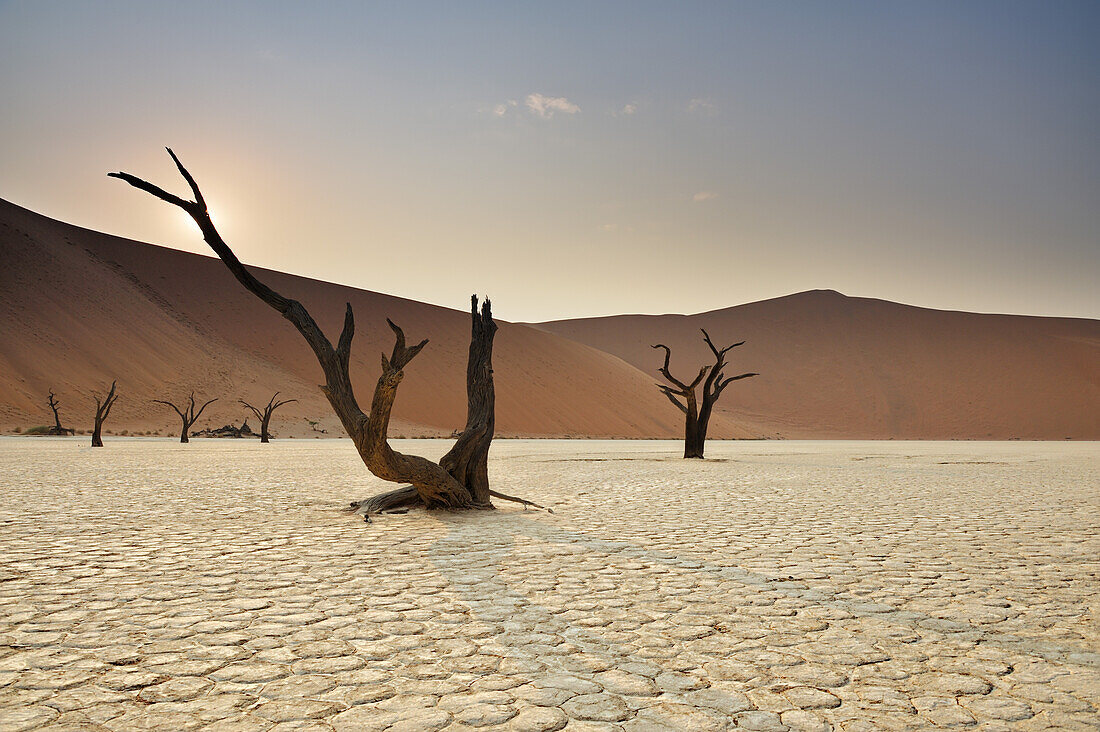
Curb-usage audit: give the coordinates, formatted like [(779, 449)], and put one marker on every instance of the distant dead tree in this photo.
[(102, 409), (57, 429), (697, 416), (460, 479), (264, 415), (187, 414)]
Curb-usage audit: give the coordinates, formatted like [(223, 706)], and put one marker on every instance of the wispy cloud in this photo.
[(538, 105), (502, 109), (628, 109), (701, 105), (546, 107), (704, 196)]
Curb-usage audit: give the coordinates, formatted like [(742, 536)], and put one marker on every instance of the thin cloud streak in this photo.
[(701, 105), (545, 107)]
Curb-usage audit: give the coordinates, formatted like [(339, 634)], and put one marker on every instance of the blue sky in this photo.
[(576, 159)]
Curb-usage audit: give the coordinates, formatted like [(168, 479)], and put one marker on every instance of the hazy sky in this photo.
[(586, 158)]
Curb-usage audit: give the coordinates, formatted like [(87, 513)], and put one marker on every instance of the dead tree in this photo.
[(696, 414), (188, 415), (264, 415), (57, 430), (459, 480), (102, 409)]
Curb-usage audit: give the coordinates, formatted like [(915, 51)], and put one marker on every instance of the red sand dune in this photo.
[(79, 308), (833, 366)]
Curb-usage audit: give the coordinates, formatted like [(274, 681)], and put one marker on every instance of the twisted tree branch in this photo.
[(435, 486)]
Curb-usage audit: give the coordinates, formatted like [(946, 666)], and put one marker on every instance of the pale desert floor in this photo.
[(875, 585)]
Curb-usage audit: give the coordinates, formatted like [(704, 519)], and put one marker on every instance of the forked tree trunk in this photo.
[(102, 409), (696, 415), (264, 415), (459, 480), (188, 416), (467, 461)]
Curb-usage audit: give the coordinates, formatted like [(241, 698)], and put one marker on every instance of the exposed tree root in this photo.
[(402, 499), (515, 499)]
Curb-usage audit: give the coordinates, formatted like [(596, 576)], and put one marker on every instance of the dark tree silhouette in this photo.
[(57, 429), (459, 480), (187, 414), (264, 415), (696, 414), (102, 409)]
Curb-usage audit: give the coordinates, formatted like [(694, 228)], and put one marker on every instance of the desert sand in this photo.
[(79, 308), (794, 585), (833, 366)]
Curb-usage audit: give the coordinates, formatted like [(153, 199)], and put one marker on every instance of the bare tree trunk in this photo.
[(434, 486), (468, 460), (264, 415), (57, 429), (102, 409), (55, 405), (188, 416), (697, 416), (694, 433)]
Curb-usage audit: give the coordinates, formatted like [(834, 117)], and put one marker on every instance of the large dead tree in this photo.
[(57, 429), (187, 414), (696, 413), (459, 480), (264, 414), (102, 409)]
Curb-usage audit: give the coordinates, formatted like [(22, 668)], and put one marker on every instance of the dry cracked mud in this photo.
[(803, 586)]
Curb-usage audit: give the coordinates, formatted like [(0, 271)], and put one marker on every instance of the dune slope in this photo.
[(846, 367), (80, 308)]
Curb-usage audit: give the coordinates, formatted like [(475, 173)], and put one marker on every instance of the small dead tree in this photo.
[(57, 429), (696, 414), (187, 414), (459, 480), (264, 415), (102, 409)]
